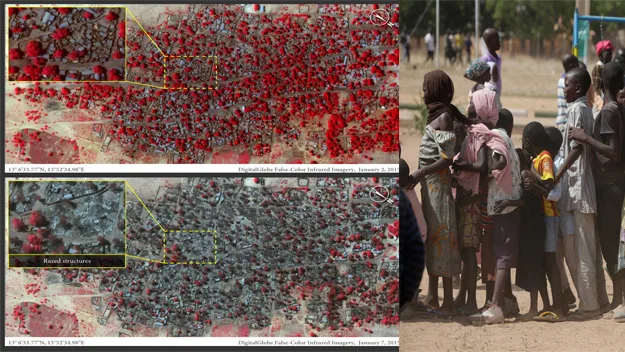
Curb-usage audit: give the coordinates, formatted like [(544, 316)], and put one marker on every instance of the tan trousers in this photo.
[(566, 249), (590, 278)]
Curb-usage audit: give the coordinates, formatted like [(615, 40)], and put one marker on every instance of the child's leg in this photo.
[(551, 267), (508, 289), (544, 296), (461, 298), (448, 295), (500, 286), (569, 297), (533, 303), (471, 279), (432, 297), (490, 290)]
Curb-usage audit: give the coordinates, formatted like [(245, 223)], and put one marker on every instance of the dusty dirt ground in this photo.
[(528, 84), (457, 334)]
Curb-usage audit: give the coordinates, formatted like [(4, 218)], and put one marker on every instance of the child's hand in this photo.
[(413, 180), (500, 205), (459, 166), (577, 134), (527, 184)]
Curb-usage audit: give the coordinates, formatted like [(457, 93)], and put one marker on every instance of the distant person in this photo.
[(569, 62), (430, 46), (450, 53), (467, 47), (491, 39), (458, 47), (604, 52), (407, 47), (411, 252)]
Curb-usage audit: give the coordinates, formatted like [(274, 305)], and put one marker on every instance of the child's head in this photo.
[(478, 72), (486, 106), (437, 87), (534, 138), (554, 140), (404, 173), (491, 38), (506, 121), (604, 51), (612, 78), (576, 84), (569, 62)]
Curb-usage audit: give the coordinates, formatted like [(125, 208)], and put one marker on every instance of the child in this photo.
[(608, 170), (569, 62), (530, 274), (469, 169), (478, 72), (536, 142), (493, 44), (503, 207), (604, 52), (435, 157), (579, 197)]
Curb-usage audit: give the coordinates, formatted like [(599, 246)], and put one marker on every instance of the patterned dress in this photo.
[(442, 252)]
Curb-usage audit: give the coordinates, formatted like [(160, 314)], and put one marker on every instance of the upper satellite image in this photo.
[(220, 84)]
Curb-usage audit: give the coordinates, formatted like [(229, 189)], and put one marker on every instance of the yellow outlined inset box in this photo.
[(125, 73), (125, 254), (191, 261), (164, 239), (9, 255), (215, 61), (125, 19)]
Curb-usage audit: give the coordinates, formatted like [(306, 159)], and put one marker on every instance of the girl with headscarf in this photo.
[(435, 157), (470, 173)]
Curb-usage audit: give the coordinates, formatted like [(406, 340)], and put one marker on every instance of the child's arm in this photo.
[(611, 150), (480, 166), (500, 205), (573, 155)]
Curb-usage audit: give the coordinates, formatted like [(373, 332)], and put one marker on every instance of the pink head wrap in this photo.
[(604, 45), (485, 106)]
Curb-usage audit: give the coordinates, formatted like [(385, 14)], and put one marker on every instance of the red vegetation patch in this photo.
[(34, 48)]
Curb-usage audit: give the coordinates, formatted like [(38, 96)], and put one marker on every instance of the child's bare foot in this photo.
[(432, 302), (447, 309)]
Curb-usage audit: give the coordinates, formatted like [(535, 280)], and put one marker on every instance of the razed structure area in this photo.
[(277, 257), (220, 84)]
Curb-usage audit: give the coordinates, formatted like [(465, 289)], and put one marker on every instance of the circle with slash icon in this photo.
[(380, 18), (380, 194)]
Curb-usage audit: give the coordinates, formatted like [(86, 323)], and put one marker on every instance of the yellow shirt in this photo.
[(543, 164)]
